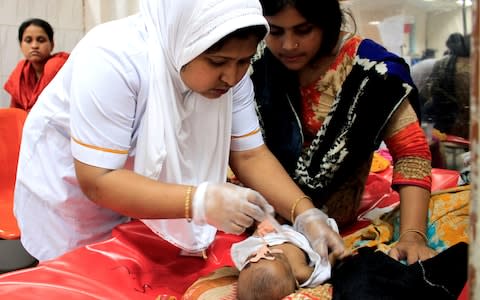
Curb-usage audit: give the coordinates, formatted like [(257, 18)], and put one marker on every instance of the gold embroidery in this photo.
[(412, 167), (404, 116)]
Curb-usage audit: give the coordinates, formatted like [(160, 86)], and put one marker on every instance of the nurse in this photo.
[(142, 122)]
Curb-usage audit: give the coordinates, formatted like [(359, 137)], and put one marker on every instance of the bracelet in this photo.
[(188, 199), (292, 211), (419, 232)]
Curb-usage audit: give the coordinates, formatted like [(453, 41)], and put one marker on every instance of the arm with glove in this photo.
[(228, 207), (260, 170)]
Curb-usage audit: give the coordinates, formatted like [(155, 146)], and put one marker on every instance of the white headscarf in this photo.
[(184, 137)]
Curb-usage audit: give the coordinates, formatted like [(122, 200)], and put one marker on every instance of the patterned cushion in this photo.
[(220, 284)]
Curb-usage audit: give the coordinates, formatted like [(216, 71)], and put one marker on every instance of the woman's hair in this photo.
[(326, 14), (458, 44), (37, 22), (259, 31)]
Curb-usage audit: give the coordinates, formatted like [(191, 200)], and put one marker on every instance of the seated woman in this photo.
[(447, 89), (32, 74), (274, 263)]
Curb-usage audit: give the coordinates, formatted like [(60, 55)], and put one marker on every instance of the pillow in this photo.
[(321, 292), (220, 284)]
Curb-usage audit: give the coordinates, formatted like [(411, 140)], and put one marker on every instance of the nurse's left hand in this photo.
[(314, 224)]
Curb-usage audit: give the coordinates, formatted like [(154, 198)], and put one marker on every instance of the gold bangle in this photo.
[(188, 199), (419, 232), (292, 211)]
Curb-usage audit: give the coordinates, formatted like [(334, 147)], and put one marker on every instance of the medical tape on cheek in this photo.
[(262, 253)]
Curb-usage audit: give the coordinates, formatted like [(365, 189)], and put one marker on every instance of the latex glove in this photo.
[(228, 207), (323, 237)]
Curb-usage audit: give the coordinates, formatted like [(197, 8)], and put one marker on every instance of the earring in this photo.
[(296, 45)]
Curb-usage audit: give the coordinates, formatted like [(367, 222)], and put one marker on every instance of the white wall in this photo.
[(431, 29), (440, 26), (100, 11)]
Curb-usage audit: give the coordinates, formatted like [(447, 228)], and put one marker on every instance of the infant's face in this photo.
[(268, 277), (280, 266)]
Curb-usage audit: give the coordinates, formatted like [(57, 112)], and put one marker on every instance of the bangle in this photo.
[(292, 211), (419, 232), (188, 199)]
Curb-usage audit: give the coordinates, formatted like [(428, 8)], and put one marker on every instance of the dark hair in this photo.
[(37, 22), (261, 282), (259, 31), (458, 44), (326, 14)]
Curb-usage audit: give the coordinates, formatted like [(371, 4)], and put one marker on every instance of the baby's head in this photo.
[(267, 279)]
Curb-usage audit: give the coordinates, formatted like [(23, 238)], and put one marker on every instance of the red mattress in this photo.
[(136, 264), (133, 264)]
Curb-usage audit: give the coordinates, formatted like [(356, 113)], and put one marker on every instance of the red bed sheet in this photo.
[(133, 264)]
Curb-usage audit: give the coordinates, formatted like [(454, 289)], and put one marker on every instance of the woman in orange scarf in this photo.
[(32, 74)]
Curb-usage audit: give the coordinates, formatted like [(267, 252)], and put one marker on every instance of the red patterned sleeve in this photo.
[(411, 156)]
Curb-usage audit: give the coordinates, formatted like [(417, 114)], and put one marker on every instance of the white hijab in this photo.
[(184, 137)]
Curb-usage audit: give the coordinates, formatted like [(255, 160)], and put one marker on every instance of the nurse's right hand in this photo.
[(228, 207)]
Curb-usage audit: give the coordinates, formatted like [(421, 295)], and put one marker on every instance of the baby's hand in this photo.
[(265, 227)]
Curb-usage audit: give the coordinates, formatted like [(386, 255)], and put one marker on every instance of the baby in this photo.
[(274, 264)]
